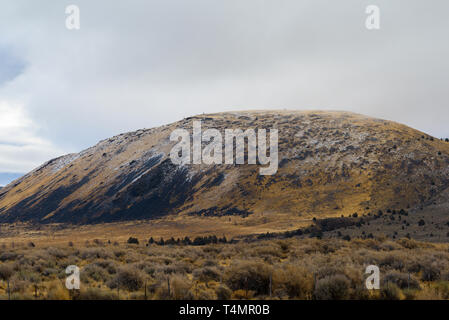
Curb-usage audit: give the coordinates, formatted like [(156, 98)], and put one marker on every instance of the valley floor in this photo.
[(178, 226), (429, 224)]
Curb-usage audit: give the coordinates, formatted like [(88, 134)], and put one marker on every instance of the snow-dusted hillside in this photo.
[(330, 163)]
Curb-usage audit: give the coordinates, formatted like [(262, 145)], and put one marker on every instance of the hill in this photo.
[(330, 164)]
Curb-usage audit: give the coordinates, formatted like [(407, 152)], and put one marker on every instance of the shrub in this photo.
[(94, 272), (329, 270), (392, 260), (48, 272), (207, 274), (206, 294), (409, 294), (242, 294), (408, 243), (95, 253), (128, 278), (223, 292), (161, 292), (132, 240), (96, 294), (443, 289), (268, 251), (295, 282), (56, 291), (6, 271), (430, 273), (402, 280), (336, 287), (56, 252), (18, 285), (210, 263), (8, 256), (389, 246), (109, 265), (428, 293), (249, 275), (180, 288), (360, 293), (390, 292), (444, 275)]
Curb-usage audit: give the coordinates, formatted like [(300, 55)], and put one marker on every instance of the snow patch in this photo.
[(64, 161)]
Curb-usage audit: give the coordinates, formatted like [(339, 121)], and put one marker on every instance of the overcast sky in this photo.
[(138, 64)]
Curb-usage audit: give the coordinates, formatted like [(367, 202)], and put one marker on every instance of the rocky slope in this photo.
[(330, 163)]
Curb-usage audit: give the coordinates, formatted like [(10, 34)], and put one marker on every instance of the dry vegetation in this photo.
[(290, 268)]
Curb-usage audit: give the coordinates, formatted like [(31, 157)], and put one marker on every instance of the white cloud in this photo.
[(21, 148)]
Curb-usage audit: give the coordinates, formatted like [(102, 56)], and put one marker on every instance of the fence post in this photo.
[(408, 281), (168, 286), (270, 284)]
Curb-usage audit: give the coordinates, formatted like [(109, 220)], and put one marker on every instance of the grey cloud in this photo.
[(10, 65), (142, 63)]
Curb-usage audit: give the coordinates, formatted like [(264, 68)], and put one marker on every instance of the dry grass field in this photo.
[(266, 269), (326, 260), (166, 227)]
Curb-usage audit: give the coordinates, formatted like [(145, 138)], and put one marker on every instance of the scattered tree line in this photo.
[(330, 224), (186, 241), (315, 230)]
